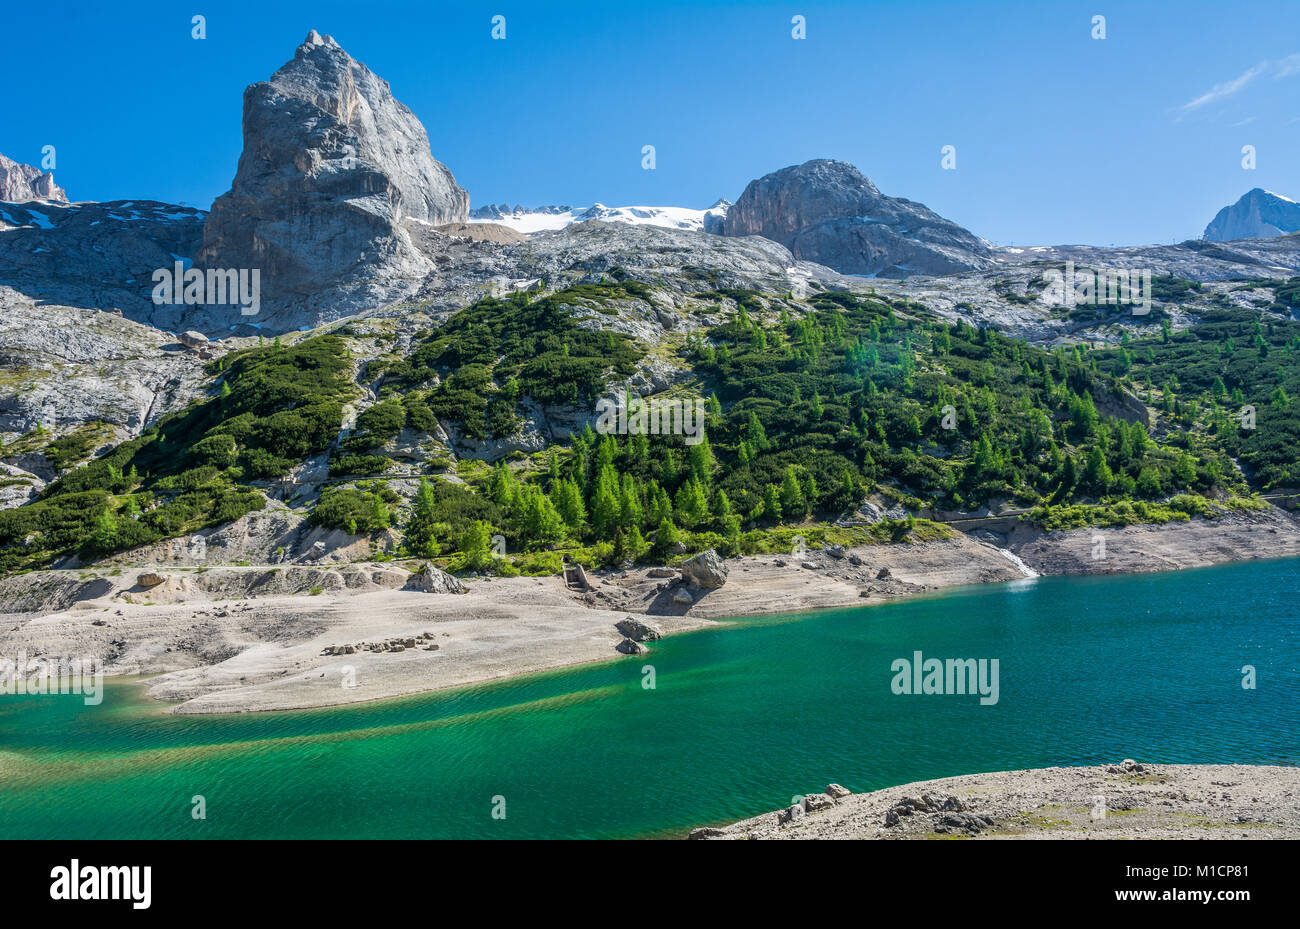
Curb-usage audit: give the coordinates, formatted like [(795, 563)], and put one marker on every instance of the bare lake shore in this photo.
[(1120, 801), (275, 637)]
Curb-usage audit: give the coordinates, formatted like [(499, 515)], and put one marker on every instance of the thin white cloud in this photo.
[(1228, 88), (1288, 66)]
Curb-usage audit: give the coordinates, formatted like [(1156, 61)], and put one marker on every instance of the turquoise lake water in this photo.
[(741, 718)]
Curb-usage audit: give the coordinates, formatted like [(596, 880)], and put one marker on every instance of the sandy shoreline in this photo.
[(1098, 802), (248, 638)]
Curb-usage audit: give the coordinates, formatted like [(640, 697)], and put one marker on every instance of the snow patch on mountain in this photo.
[(538, 219)]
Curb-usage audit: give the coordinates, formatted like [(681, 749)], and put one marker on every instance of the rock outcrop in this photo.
[(830, 213), (20, 182), (333, 170), (1259, 214)]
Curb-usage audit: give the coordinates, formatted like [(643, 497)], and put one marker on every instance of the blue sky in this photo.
[(1060, 138)]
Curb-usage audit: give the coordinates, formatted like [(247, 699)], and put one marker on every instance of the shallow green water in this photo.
[(741, 719)]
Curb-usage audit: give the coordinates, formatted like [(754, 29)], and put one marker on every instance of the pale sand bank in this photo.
[(229, 639), (1153, 802)]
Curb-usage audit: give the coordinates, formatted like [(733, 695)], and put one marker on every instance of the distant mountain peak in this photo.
[(20, 182), (1259, 214), (829, 212)]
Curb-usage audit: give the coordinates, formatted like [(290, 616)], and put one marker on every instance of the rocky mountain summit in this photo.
[(20, 182), (1259, 214), (334, 171), (830, 213)]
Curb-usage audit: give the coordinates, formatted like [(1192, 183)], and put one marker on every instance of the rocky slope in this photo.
[(1012, 295), (680, 262), (830, 213), (20, 182), (334, 171), (1259, 214), (96, 256), (61, 367)]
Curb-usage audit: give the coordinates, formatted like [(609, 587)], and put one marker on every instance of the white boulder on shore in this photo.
[(707, 570), (435, 581)]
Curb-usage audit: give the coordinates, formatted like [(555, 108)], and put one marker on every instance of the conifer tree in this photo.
[(568, 503), (666, 537), (755, 435), (474, 544), (605, 503), (631, 513), (793, 504), (104, 534), (772, 502), (700, 460), (419, 528)]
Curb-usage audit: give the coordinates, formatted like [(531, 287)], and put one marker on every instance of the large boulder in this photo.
[(830, 213), (628, 647), (191, 339), (435, 581), (638, 630), (707, 569), (333, 170), (816, 802)]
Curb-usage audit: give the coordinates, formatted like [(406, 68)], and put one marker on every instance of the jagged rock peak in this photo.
[(1259, 214), (829, 212), (20, 182), (387, 134), (315, 38), (333, 166)]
